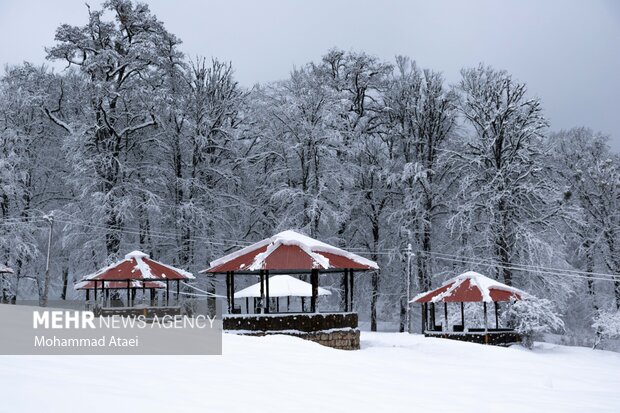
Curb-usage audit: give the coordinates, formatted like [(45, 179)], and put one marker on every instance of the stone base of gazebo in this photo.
[(336, 330), (495, 337)]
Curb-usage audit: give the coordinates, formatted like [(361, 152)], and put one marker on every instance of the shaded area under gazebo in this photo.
[(137, 272), (468, 287), (280, 286), (105, 288)]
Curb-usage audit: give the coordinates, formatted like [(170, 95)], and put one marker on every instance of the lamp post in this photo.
[(46, 282), (409, 253)]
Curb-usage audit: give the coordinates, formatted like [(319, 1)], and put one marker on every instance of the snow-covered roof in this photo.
[(139, 267), (5, 270), (471, 287), (289, 250), (281, 286)]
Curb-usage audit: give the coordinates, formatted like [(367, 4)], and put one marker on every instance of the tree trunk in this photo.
[(374, 279), (65, 279), (502, 246), (587, 246)]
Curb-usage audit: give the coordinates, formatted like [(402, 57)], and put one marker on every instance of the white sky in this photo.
[(568, 52)]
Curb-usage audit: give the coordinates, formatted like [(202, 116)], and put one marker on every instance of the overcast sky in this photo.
[(568, 52)]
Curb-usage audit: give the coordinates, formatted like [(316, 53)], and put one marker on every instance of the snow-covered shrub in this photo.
[(607, 325), (532, 317)]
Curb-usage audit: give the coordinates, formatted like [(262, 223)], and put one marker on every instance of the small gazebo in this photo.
[(468, 287), (280, 286), (136, 272)]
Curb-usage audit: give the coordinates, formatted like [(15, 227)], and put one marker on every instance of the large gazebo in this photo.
[(289, 252), (468, 287), (137, 272)]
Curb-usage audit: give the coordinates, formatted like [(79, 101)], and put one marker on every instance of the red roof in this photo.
[(471, 287), (136, 266), (290, 251)]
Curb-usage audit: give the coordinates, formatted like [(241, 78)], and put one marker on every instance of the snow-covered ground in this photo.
[(391, 373)]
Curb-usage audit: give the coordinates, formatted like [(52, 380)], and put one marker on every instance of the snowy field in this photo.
[(391, 373)]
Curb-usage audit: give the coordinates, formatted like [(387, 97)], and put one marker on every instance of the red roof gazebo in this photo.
[(136, 271), (467, 287), (289, 252)]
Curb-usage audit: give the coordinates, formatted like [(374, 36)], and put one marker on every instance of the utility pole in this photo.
[(409, 253), (46, 282)]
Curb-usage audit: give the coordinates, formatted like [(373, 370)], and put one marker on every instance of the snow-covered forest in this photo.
[(137, 146)]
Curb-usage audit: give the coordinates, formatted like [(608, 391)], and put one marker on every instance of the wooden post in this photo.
[(178, 292), (486, 327), (432, 317), (445, 316), (496, 316), (303, 303), (277, 304), (87, 294), (346, 289), (95, 292), (288, 303), (232, 291), (128, 292), (314, 279), (262, 290), (267, 297), (167, 292), (463, 316), (152, 297), (351, 288), (423, 317), (228, 291)]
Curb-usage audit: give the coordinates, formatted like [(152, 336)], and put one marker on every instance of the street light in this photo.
[(46, 283), (409, 253)]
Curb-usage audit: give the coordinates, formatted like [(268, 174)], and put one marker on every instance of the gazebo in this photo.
[(468, 287), (289, 252), (280, 286), (136, 272)]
